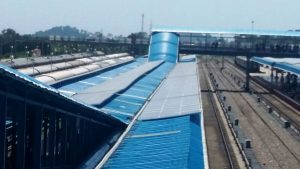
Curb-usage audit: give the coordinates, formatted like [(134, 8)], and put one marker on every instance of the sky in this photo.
[(124, 16)]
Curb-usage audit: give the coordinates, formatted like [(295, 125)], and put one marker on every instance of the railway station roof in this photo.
[(291, 65), (99, 93), (169, 132), (226, 31), (163, 143), (18, 84), (78, 83), (124, 105), (178, 95), (28, 61)]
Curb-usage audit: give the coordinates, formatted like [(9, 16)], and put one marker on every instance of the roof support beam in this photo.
[(20, 110), (37, 149), (3, 112), (52, 138)]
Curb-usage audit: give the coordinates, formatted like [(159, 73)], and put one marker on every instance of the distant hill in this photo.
[(63, 31)]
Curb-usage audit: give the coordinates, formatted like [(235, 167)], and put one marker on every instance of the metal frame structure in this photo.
[(240, 45), (137, 46), (42, 129), (247, 43)]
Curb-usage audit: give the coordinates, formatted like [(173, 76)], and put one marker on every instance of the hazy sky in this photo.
[(124, 16)]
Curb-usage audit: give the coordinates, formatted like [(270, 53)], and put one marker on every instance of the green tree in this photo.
[(10, 35)]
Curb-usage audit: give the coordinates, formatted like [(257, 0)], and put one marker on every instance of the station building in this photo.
[(105, 111)]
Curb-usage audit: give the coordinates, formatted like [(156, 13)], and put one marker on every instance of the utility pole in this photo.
[(142, 30), (150, 28), (247, 86), (223, 62), (252, 29)]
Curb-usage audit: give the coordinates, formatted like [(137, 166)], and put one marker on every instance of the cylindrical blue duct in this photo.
[(164, 46)]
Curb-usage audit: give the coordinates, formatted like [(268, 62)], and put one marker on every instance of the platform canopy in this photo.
[(290, 65), (17, 85)]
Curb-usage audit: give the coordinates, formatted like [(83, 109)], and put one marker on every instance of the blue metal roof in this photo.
[(164, 46), (168, 136), (263, 61), (57, 99), (100, 94), (178, 95), (288, 67), (165, 143), (126, 104), (86, 81), (224, 31)]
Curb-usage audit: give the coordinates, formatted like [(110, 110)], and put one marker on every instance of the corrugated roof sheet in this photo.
[(96, 94), (290, 65), (178, 95), (77, 86), (167, 137), (127, 103), (40, 60), (166, 143), (164, 46), (264, 61), (20, 79), (288, 68)]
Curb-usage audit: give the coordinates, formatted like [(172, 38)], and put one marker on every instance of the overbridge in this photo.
[(249, 43)]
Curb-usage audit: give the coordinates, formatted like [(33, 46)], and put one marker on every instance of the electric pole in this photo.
[(142, 30)]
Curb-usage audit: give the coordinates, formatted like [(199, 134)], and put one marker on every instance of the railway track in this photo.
[(226, 82), (207, 87), (282, 109)]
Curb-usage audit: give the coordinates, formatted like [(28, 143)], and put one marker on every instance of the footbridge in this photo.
[(249, 43)]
